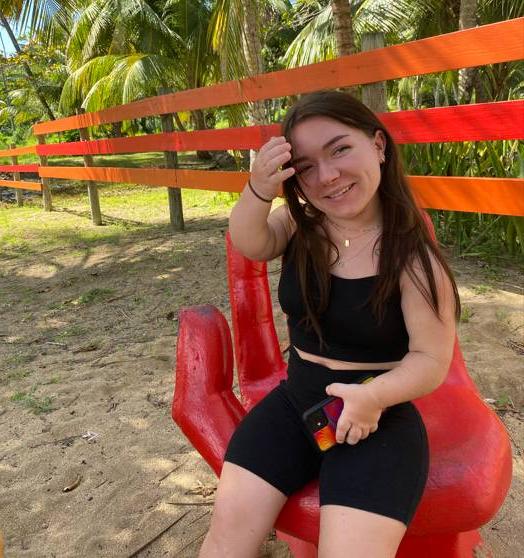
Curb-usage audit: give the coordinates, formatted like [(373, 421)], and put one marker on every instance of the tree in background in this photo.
[(20, 106)]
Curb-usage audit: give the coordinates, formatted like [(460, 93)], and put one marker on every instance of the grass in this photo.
[(466, 314), (37, 405), (95, 295), (126, 211), (482, 289), (69, 332)]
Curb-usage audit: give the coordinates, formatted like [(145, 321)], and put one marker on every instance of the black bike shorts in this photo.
[(385, 474)]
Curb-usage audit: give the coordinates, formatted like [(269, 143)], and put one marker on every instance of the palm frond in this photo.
[(315, 43)]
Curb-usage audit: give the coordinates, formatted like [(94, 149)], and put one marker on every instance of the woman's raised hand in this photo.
[(267, 174)]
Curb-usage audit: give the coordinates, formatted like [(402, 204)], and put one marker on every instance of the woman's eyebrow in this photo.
[(325, 146)]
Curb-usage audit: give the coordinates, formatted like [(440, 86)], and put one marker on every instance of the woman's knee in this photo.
[(246, 507), (365, 533)]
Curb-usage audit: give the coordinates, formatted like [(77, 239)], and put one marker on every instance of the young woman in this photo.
[(367, 293)]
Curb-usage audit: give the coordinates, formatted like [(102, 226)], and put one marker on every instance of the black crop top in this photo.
[(350, 330)]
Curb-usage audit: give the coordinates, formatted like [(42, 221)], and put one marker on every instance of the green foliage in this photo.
[(31, 401), (466, 314), (19, 105), (472, 234)]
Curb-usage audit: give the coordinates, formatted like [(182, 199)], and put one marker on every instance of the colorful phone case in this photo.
[(325, 435)]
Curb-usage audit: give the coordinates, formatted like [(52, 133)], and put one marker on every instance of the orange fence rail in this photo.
[(22, 185), (499, 42), (30, 150), (489, 44)]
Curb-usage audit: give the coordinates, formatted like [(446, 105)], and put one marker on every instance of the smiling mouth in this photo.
[(340, 192)]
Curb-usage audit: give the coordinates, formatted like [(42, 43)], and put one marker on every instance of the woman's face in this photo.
[(338, 167)]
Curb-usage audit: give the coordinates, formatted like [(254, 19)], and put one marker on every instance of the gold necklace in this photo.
[(347, 239), (341, 262)]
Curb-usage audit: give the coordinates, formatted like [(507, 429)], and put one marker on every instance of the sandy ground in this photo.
[(91, 463)]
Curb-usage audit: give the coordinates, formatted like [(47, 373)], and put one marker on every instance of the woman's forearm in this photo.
[(248, 223), (418, 374)]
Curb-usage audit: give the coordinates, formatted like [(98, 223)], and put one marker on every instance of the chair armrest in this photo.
[(260, 365), (204, 405), (470, 465)]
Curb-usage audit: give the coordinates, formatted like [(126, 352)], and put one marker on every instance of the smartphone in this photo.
[(321, 421)]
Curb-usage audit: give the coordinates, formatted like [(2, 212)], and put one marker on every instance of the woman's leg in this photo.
[(269, 457), (246, 508), (370, 491), (360, 534)]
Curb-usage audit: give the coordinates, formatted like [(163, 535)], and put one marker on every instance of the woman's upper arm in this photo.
[(432, 335), (281, 227)]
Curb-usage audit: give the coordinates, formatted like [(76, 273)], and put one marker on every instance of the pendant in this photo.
[(346, 243)]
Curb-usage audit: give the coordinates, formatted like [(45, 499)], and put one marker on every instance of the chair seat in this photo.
[(469, 472)]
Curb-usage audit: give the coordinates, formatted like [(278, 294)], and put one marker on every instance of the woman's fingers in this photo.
[(354, 435), (267, 173)]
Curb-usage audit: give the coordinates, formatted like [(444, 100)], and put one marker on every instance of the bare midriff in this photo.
[(343, 365)]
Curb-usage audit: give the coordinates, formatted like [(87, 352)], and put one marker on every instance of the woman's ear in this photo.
[(380, 144)]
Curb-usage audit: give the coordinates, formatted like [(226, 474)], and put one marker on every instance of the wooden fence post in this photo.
[(92, 188), (176, 215), (16, 176), (374, 94), (46, 193)]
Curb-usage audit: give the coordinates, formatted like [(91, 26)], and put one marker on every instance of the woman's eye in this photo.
[(341, 149)]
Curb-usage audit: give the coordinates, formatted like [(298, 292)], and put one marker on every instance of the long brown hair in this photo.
[(405, 236)]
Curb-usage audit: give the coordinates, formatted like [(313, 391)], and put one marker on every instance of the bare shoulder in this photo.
[(410, 284)]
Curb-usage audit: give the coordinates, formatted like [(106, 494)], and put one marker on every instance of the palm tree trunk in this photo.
[(29, 73), (252, 45), (467, 19), (343, 25)]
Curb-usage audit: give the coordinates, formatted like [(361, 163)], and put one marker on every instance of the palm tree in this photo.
[(44, 17), (123, 50), (236, 33), (407, 20), (343, 27)]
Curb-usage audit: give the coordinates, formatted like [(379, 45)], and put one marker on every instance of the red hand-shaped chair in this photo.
[(470, 464)]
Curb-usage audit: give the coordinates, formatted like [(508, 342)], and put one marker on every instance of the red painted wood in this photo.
[(19, 168), (229, 138), (476, 122), (488, 44), (470, 465), (480, 122)]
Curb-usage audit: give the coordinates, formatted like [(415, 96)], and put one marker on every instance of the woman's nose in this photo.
[(327, 173)]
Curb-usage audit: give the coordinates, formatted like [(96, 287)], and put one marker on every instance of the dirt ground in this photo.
[(91, 463)]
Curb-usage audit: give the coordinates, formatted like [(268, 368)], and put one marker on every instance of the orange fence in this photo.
[(499, 42)]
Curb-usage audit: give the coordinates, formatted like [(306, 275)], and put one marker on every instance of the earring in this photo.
[(382, 159)]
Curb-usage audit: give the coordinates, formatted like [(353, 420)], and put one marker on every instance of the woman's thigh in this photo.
[(271, 442), (384, 474)]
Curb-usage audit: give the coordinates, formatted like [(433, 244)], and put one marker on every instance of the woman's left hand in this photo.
[(360, 415)]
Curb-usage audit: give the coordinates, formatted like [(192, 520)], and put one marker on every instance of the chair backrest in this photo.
[(259, 362)]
